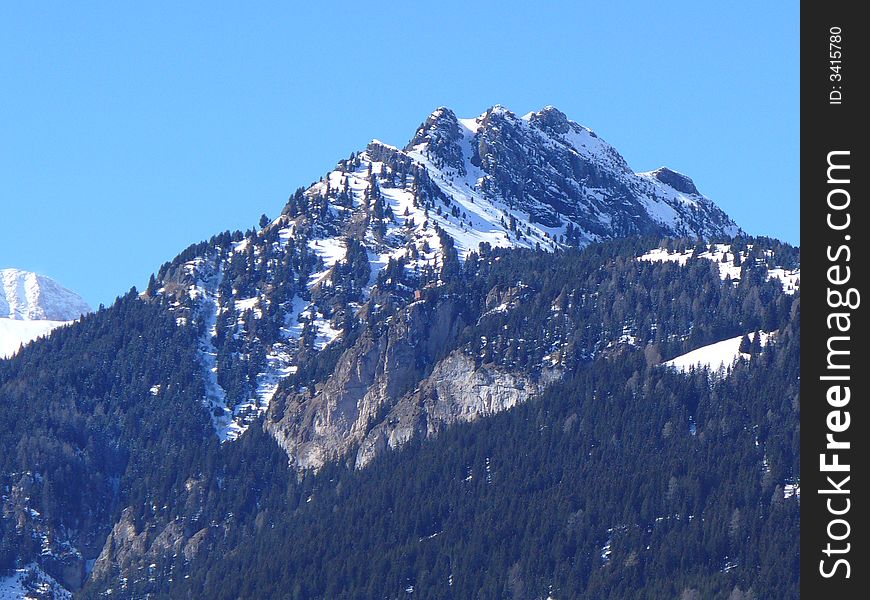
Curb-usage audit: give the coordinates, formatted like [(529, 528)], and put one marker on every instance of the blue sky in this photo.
[(130, 130)]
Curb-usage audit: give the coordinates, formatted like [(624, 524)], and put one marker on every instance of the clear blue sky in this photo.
[(131, 130)]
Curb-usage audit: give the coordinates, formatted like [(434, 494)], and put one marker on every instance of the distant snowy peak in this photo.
[(26, 296), (31, 306)]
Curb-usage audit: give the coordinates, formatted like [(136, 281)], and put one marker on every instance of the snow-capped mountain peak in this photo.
[(28, 296), (31, 306), (563, 175)]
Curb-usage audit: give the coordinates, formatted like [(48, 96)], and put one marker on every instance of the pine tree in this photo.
[(745, 344), (151, 290), (755, 347)]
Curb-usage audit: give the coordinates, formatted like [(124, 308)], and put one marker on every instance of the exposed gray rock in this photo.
[(195, 544), (442, 135), (324, 424), (678, 181), (456, 391), (558, 171), (127, 546), (381, 394), (539, 181), (123, 543)]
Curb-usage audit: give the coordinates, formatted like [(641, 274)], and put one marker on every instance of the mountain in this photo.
[(32, 306), (402, 217), (442, 370)]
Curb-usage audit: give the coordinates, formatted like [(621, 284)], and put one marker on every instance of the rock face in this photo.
[(380, 395), (442, 135), (456, 391), (326, 423), (678, 181), (130, 548), (559, 172), (123, 543)]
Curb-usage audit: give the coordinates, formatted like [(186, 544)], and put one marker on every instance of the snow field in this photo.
[(718, 357)]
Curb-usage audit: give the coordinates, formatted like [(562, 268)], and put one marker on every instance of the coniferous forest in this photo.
[(623, 479)]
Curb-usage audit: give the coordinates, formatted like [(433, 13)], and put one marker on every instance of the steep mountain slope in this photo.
[(31, 306), (552, 172), (398, 220), (85, 414), (651, 458), (621, 483), (31, 582)]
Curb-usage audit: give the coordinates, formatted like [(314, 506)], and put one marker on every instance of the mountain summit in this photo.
[(555, 174), (28, 296), (31, 306)]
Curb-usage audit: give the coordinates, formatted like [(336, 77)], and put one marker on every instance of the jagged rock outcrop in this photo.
[(380, 397), (123, 542), (678, 181), (442, 135), (128, 545)]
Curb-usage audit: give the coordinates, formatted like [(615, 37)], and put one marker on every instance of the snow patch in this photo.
[(247, 304), (32, 582), (15, 334), (790, 279), (791, 489), (326, 333), (330, 250), (215, 396), (718, 357)]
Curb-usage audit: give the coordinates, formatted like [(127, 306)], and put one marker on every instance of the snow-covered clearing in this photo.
[(718, 357)]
